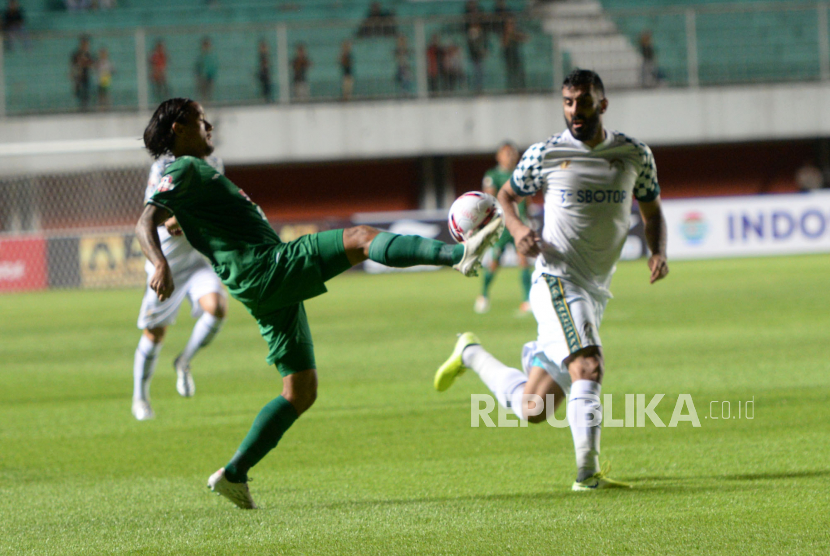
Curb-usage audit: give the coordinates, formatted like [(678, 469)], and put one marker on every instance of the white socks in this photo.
[(205, 329), (144, 366), (584, 417), (506, 383)]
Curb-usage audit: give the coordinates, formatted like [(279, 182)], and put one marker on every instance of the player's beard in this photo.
[(590, 125)]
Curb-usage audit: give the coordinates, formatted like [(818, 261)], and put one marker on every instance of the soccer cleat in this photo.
[(142, 410), (599, 480), (184, 380), (237, 493), (476, 246), (454, 366), (482, 305)]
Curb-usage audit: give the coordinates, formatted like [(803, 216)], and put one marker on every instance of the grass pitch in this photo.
[(384, 465)]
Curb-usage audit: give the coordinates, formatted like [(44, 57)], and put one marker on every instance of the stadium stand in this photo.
[(37, 78)]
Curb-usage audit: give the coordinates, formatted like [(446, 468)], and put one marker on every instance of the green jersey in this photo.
[(221, 222), (496, 177)]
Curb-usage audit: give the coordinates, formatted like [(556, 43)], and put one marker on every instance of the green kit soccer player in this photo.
[(269, 277), (506, 157)]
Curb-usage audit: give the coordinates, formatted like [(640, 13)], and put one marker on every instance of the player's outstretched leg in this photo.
[(401, 251), (205, 329), (506, 383), (144, 365)]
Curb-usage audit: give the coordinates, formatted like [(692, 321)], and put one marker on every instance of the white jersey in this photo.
[(588, 195), (178, 252)]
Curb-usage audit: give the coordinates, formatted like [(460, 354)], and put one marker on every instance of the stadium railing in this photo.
[(36, 76)]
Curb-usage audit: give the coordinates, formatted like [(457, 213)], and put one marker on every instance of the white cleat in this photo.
[(482, 305), (142, 410), (184, 380), (237, 493), (476, 247)]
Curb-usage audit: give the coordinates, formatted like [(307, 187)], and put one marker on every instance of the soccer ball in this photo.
[(471, 212)]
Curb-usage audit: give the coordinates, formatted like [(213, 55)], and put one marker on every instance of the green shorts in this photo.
[(300, 270)]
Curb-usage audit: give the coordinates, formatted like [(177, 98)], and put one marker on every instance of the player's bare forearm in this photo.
[(146, 232), (655, 231), (526, 240)]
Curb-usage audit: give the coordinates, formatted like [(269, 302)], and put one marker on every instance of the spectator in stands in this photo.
[(403, 67), (435, 64), (453, 67), (104, 70), (501, 13), (299, 66), (346, 65), (81, 65), (14, 28), (158, 71), (378, 23), (206, 70), (263, 73), (477, 49), (472, 14), (649, 76), (809, 177), (511, 44)]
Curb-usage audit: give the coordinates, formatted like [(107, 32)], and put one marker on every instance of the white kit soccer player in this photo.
[(195, 281), (589, 177)]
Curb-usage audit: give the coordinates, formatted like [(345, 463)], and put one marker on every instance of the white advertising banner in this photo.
[(748, 226)]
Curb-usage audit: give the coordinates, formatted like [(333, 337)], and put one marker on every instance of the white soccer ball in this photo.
[(471, 212)]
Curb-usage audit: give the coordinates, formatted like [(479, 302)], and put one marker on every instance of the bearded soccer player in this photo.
[(269, 277), (590, 176)]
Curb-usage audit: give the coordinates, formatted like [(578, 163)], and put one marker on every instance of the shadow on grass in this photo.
[(741, 477)]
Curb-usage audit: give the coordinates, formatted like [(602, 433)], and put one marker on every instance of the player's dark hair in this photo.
[(159, 136), (579, 78)]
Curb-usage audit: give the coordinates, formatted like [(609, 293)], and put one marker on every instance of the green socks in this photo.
[(488, 280), (403, 251), (525, 278), (274, 419)]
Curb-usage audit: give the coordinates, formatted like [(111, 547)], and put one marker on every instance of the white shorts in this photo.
[(568, 318), (192, 284)]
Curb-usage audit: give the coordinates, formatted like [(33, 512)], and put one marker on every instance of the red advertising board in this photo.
[(22, 264)]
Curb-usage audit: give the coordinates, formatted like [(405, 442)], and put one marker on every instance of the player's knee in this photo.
[(214, 304), (155, 335), (586, 367), (359, 237)]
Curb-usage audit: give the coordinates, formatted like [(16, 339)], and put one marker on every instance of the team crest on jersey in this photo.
[(565, 164), (616, 164), (166, 184)]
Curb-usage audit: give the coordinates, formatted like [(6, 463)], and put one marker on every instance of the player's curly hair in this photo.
[(584, 78), (159, 136)]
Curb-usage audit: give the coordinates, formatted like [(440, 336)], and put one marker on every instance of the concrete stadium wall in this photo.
[(398, 129)]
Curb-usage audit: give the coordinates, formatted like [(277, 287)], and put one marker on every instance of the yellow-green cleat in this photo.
[(453, 366), (599, 481)]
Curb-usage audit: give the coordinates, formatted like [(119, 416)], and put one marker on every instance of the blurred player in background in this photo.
[(589, 176), (269, 277), (196, 282), (506, 156)]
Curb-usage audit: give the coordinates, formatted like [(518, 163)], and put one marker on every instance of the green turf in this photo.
[(385, 465)]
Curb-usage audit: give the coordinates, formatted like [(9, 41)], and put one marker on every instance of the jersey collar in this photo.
[(609, 139)]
